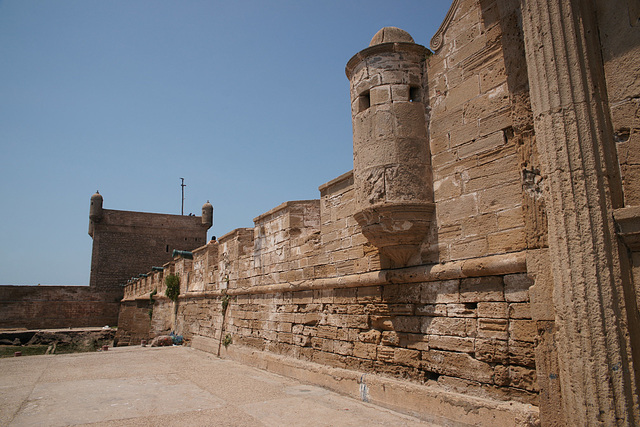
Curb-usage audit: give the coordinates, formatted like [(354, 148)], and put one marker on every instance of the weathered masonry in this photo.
[(481, 263), (124, 245)]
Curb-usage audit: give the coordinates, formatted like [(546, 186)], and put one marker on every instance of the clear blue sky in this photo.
[(247, 100)]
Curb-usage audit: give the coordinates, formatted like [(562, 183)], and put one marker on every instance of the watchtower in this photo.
[(391, 158), (126, 243)]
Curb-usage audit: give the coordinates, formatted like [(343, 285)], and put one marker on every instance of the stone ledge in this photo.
[(429, 403), (493, 265), (628, 222)]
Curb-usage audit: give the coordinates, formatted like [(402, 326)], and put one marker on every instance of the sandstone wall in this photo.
[(127, 243), (476, 167), (40, 307), (475, 312)]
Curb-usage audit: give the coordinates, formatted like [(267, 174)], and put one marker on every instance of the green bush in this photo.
[(173, 287), (227, 340)]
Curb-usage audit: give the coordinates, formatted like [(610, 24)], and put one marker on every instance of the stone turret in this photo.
[(95, 211), (207, 215), (391, 158)]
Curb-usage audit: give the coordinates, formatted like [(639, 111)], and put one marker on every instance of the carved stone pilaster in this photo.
[(594, 302)]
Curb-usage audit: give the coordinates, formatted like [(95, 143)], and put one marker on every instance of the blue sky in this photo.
[(247, 100)]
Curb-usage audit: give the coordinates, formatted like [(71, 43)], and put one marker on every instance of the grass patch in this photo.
[(31, 350)]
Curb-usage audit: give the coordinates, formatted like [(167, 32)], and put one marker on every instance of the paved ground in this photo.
[(173, 386)]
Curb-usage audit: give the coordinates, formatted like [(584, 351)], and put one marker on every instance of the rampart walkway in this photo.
[(174, 386)]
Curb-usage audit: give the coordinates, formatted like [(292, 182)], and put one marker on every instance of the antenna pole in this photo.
[(182, 185)]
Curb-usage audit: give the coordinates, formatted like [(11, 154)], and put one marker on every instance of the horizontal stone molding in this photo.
[(628, 222), (493, 265)]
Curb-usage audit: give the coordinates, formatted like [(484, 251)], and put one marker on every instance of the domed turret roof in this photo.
[(96, 196), (391, 35)]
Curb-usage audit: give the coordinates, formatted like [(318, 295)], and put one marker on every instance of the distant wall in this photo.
[(40, 307), (124, 244)]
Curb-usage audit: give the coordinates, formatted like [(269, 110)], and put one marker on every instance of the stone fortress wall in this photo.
[(481, 263), (478, 264), (124, 244)]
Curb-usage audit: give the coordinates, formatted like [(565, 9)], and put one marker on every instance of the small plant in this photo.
[(225, 279), (225, 302), (227, 340), (173, 287)]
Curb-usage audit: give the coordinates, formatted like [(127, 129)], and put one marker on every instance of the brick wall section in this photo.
[(344, 249), (127, 243), (283, 239), (39, 307), (473, 335), (621, 50), (476, 169)]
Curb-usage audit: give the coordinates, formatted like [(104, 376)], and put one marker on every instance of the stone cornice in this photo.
[(438, 37)]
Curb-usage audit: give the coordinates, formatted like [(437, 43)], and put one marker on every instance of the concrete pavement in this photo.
[(172, 386)]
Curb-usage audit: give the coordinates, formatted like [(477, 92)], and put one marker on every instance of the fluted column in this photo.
[(574, 136)]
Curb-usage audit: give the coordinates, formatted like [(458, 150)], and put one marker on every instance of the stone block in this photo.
[(385, 354), (357, 321), (479, 289), (459, 344), (388, 338), (369, 294), (520, 310), (516, 287), (302, 340), (471, 247), (383, 323), (308, 319), (380, 95), (500, 197), (343, 347), (329, 332), (447, 291), (364, 350), (446, 326), (400, 309), (356, 309), (461, 310), (407, 357), (463, 134), (285, 337), (447, 187), (522, 353), (431, 310), (516, 376), (494, 310), (463, 92), (400, 93), (414, 341), (459, 365), (409, 293), (487, 143), (492, 350), (507, 241), (493, 328), (480, 225), (372, 336), (411, 324), (510, 218), (522, 330), (345, 296), (284, 327)]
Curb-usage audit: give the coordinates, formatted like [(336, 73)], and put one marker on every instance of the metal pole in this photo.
[(182, 185)]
